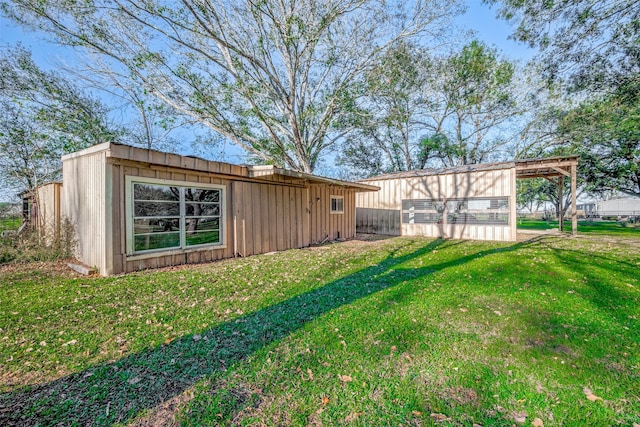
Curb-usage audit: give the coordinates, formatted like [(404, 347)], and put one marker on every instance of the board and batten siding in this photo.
[(265, 213), (381, 212), (326, 225)]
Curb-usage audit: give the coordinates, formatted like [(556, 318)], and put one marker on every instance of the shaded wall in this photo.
[(381, 212)]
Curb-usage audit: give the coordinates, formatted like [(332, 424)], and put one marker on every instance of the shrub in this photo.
[(32, 245)]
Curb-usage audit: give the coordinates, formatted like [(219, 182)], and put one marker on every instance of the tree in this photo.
[(590, 42), (592, 47), (385, 112), (269, 75), (43, 116), (417, 109), (606, 133)]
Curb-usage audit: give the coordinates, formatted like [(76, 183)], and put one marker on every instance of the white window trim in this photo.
[(331, 198), (132, 255)]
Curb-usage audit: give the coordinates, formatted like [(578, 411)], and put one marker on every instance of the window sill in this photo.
[(160, 253)]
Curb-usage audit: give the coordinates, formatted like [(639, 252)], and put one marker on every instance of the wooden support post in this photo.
[(574, 210), (560, 211)]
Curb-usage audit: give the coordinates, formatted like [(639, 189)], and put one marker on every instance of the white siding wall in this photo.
[(84, 202), (494, 183)]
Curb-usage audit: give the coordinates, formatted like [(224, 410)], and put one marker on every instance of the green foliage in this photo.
[(31, 246), (368, 333), (415, 109), (606, 132), (43, 117), (591, 44), (590, 48)]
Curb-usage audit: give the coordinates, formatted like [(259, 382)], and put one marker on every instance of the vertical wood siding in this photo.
[(260, 217)]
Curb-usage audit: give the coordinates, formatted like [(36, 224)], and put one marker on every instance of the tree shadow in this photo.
[(115, 392)]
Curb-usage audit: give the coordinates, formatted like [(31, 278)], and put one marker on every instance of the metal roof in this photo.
[(238, 172), (525, 168)]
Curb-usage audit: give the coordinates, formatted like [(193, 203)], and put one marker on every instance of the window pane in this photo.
[(155, 225), (337, 204), (202, 230), (202, 209), (200, 224), (157, 241), (152, 234), (155, 192), (201, 195), (156, 208)]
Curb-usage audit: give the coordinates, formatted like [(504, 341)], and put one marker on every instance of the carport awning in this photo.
[(545, 168)]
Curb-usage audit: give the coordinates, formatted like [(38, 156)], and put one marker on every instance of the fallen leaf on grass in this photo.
[(438, 417), (590, 396), (416, 413), (345, 378), (310, 374), (353, 416), (520, 419), (325, 400), (537, 422)]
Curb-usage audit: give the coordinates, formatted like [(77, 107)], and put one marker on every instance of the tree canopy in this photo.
[(591, 49), (268, 75), (43, 116), (416, 108)]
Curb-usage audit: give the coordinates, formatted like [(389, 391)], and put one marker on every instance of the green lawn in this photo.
[(404, 331), (12, 223), (590, 227)]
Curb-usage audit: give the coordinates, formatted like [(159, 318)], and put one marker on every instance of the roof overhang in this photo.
[(545, 168), (526, 168), (301, 177)]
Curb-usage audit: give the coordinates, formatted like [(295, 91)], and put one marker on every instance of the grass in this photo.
[(405, 331), (590, 227), (11, 223)]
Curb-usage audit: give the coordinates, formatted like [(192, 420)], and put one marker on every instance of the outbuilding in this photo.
[(134, 208), (467, 202)]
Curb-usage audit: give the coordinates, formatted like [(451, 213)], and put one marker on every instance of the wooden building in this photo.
[(466, 202), (42, 210), (134, 209)]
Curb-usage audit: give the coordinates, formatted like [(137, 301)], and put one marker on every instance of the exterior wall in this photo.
[(268, 217), (265, 214), (44, 212), (325, 225), (84, 204), (381, 212), (49, 210), (619, 207)]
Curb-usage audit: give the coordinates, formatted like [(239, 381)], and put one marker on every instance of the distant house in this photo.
[(620, 207), (466, 202), (134, 209)]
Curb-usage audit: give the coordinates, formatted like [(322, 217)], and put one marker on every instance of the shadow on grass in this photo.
[(115, 392)]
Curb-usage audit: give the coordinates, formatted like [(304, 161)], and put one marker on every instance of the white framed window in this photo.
[(163, 215), (337, 204)]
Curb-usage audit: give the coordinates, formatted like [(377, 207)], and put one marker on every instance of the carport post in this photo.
[(560, 210), (574, 210)]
